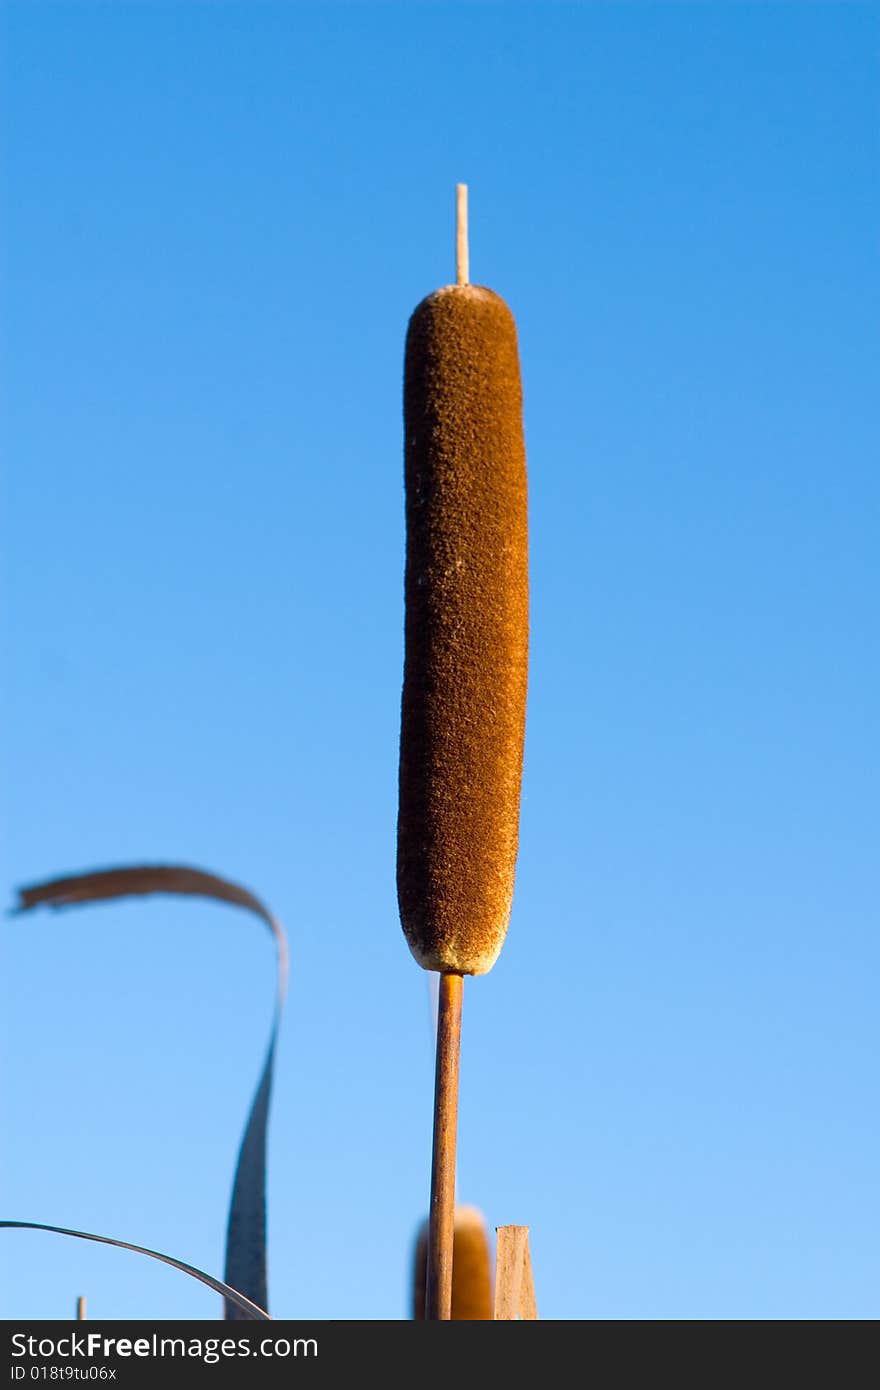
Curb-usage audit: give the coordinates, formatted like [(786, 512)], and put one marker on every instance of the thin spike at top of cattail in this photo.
[(462, 266)]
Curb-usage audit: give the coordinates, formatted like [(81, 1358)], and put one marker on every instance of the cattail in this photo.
[(464, 686), (464, 693), (471, 1269)]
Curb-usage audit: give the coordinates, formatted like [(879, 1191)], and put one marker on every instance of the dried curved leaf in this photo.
[(247, 1309), (246, 1229), (140, 879)]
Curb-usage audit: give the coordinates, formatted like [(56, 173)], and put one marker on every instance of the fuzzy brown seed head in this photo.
[(471, 1269), (464, 692)]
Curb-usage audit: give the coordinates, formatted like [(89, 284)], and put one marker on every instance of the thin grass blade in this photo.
[(247, 1309)]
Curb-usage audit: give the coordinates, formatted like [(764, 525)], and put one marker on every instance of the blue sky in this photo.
[(217, 220)]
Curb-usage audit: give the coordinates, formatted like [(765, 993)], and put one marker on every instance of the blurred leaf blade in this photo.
[(246, 1231), (246, 1228)]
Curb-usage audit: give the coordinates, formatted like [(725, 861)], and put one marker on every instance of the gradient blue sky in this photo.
[(217, 219)]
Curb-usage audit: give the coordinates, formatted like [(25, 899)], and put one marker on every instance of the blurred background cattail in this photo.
[(471, 1269)]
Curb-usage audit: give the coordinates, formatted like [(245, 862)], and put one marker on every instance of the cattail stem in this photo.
[(441, 1222), (462, 269)]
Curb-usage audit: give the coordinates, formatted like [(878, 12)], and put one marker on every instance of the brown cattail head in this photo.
[(471, 1269), (464, 691)]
